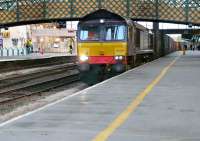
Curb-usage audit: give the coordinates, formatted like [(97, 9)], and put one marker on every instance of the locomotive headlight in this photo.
[(84, 58), (118, 57), (102, 20)]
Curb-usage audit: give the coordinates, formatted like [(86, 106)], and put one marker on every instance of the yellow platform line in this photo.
[(122, 117)]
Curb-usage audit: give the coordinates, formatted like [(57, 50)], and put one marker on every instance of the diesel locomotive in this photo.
[(109, 44), (108, 40)]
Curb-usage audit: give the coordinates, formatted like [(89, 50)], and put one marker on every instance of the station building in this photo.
[(45, 38)]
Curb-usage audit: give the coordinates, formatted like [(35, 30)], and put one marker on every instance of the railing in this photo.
[(14, 11), (5, 52)]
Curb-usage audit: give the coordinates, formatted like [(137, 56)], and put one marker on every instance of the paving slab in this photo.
[(169, 113)]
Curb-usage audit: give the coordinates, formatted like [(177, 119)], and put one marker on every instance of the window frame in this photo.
[(79, 33), (119, 24), (102, 32)]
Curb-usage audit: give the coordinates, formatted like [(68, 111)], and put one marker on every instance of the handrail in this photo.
[(14, 51)]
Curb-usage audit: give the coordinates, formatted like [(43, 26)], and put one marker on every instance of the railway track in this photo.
[(16, 87)]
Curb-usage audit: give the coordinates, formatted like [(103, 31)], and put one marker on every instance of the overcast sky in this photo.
[(166, 25)]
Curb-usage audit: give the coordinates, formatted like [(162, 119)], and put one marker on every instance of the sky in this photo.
[(166, 25), (149, 25)]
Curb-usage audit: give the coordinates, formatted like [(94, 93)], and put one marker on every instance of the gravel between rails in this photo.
[(33, 79), (18, 90), (28, 104)]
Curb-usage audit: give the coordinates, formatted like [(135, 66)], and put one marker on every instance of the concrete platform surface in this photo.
[(170, 112)]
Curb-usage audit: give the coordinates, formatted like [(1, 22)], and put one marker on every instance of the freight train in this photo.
[(110, 42)]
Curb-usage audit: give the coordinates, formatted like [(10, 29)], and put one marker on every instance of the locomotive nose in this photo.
[(101, 53)]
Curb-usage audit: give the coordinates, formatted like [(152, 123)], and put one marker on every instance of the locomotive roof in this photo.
[(110, 16), (102, 14)]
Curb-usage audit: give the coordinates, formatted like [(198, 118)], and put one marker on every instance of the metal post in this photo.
[(157, 9), (71, 8), (99, 4), (18, 54), (128, 8), (44, 9), (13, 52), (183, 50), (23, 52), (17, 11), (156, 38), (186, 10), (7, 5), (7, 52), (156, 31), (1, 52)]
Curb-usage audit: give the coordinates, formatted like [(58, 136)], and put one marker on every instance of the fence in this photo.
[(5, 52), (16, 11)]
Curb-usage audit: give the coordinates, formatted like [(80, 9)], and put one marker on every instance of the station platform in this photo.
[(158, 101), (32, 56), (12, 63)]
